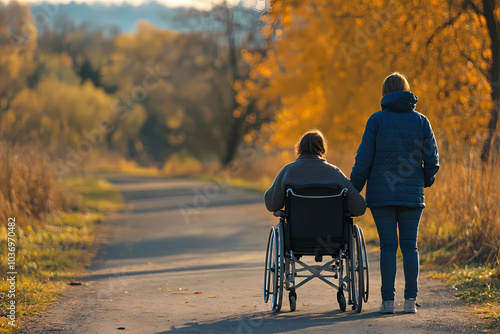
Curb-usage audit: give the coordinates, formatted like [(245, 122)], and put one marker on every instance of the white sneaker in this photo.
[(410, 306), (387, 306)]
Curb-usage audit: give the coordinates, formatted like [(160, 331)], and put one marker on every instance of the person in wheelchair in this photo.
[(311, 167), (319, 204)]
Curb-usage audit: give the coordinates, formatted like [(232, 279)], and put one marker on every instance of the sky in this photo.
[(200, 4)]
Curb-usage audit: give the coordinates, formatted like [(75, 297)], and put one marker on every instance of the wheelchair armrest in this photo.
[(279, 213)]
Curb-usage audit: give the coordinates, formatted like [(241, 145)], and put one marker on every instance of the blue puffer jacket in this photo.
[(398, 154)]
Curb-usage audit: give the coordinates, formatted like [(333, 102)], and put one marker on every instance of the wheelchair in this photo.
[(316, 223)]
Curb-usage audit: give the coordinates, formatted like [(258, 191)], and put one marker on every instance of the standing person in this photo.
[(397, 158)]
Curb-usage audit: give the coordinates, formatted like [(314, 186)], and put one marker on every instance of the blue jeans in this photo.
[(388, 219)]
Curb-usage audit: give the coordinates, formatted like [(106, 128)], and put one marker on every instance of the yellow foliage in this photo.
[(16, 49), (182, 164), (55, 114)]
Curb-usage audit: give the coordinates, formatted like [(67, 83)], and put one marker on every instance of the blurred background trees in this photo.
[(230, 75), (17, 48), (164, 92)]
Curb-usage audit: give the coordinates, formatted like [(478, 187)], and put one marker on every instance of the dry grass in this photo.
[(29, 188), (460, 232), (54, 229), (461, 223)]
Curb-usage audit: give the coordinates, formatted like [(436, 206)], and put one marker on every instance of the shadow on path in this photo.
[(270, 322), (119, 274)]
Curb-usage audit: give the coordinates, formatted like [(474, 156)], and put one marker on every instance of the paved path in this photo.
[(163, 269)]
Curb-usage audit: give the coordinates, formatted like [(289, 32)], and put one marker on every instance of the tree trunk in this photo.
[(492, 125), (488, 12)]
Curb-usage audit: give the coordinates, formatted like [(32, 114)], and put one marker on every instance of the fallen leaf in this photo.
[(196, 293)]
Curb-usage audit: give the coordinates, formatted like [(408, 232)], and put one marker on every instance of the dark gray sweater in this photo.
[(311, 169)]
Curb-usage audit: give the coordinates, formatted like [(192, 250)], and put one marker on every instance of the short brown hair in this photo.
[(394, 82), (312, 142)]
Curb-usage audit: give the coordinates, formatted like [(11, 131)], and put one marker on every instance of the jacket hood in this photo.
[(400, 101)]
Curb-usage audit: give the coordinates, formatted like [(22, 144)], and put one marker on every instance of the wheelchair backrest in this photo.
[(316, 218)]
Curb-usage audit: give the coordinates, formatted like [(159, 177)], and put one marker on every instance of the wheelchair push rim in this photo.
[(366, 277)]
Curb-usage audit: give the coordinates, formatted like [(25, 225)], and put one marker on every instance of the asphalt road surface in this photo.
[(186, 256)]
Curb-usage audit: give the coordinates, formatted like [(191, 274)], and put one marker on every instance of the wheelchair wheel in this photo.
[(268, 264), (366, 277), (358, 271), (279, 268)]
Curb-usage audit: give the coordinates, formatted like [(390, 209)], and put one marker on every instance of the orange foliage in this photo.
[(328, 59)]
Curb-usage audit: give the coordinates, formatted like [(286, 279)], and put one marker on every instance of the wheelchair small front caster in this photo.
[(342, 303), (341, 300), (292, 297)]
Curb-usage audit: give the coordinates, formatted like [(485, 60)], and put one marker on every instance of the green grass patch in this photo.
[(260, 185), (481, 287), (52, 252), (97, 194)]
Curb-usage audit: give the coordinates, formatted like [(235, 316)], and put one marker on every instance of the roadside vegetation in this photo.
[(460, 232), (54, 228)]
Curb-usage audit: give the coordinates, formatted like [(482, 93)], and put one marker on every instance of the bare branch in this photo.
[(448, 23), (476, 9), (475, 64)]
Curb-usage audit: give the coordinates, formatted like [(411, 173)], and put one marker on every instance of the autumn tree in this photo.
[(57, 116), (310, 75), (144, 65), (453, 62), (234, 30), (17, 46), (192, 107), (89, 49), (329, 58)]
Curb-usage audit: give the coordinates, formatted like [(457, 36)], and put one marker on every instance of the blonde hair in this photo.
[(312, 142), (394, 82)]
